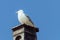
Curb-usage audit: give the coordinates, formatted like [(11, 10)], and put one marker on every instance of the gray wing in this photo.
[(29, 19)]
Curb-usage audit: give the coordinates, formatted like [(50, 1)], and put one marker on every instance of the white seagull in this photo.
[(24, 19)]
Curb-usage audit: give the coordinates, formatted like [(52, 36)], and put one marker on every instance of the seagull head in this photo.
[(20, 11)]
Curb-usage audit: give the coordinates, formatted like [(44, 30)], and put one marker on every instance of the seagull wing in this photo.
[(29, 19)]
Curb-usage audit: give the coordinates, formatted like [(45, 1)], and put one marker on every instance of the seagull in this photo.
[(24, 19)]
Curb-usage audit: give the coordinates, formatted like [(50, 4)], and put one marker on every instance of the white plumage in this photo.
[(24, 19)]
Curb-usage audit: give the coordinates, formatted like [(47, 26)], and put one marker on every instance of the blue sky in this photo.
[(44, 13)]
